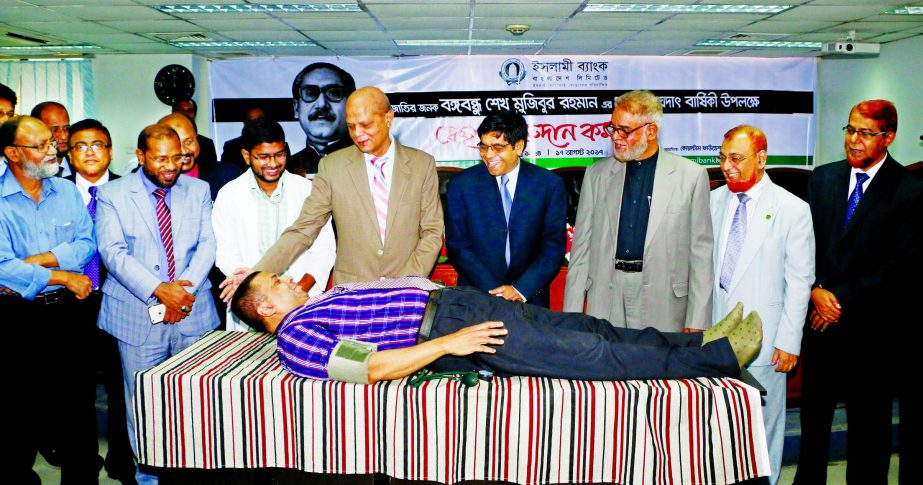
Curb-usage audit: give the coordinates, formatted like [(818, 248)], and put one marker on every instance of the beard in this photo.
[(41, 170), (738, 186), (630, 153)]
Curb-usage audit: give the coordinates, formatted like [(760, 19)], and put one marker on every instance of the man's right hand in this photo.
[(476, 338), (175, 298), (79, 284), (827, 308), (229, 286)]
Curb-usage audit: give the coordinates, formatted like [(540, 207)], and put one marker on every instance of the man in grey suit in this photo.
[(155, 237), (641, 254), (384, 199), (763, 258)]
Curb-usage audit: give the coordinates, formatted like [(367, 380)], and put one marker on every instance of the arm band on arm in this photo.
[(349, 361)]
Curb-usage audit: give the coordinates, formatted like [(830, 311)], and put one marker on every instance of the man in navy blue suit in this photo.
[(505, 220)]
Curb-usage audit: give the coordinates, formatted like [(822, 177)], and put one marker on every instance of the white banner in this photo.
[(439, 101)]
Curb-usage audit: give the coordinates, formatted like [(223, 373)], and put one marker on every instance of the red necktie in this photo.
[(166, 231)]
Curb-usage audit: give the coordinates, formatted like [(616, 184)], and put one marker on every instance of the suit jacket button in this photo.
[(156, 267), (380, 252)]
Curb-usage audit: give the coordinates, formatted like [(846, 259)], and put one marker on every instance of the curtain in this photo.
[(69, 82)]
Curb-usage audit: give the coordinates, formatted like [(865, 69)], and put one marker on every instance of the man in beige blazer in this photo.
[(395, 232), (642, 248)]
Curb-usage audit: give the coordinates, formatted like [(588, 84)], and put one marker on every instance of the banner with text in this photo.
[(439, 101)]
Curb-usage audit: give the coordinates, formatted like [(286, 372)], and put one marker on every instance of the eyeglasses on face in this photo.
[(265, 157), (44, 147), (622, 131), (496, 147), (865, 134), (96, 146), (333, 93)]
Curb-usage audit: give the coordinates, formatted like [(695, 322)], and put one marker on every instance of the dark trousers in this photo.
[(544, 343), (51, 367), (826, 381)]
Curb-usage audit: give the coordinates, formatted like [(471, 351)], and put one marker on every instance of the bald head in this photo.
[(186, 129), (369, 117)]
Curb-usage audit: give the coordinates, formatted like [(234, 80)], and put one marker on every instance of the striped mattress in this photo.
[(226, 402)]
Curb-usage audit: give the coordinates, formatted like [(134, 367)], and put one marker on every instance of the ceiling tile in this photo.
[(366, 35), (15, 15), (355, 23), (428, 34), (414, 10), (508, 10), (147, 26), (829, 13), (892, 37), (264, 35), (867, 27), (230, 25), (406, 23), (69, 27), (532, 22), (786, 27), (94, 12), (617, 22)]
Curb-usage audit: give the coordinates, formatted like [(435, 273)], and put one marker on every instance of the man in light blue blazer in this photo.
[(764, 258), (155, 237)]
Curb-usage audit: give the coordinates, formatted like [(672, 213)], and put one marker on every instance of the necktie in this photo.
[(92, 268), (736, 237), (380, 194), (855, 196), (507, 206), (166, 230)]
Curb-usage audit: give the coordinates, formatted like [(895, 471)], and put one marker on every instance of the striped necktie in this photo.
[(92, 268), (166, 230), (380, 194), (507, 207)]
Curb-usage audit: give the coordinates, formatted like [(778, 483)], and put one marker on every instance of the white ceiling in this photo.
[(128, 27)]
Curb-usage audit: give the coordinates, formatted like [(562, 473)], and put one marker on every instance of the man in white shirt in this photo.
[(252, 210), (763, 258)]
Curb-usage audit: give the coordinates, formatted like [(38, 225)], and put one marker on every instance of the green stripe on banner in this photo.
[(705, 160)]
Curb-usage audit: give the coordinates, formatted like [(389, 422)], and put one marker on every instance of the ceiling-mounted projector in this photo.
[(850, 49)]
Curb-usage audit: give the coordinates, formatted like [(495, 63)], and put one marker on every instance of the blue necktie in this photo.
[(855, 196), (507, 206), (92, 268), (736, 237)]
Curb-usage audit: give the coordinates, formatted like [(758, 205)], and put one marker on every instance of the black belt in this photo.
[(429, 314), (52, 297), (628, 266)]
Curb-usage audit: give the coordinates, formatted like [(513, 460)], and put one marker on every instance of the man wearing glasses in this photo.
[(216, 174), (155, 237), (319, 95), (506, 219), (55, 117), (641, 255), (46, 240), (252, 210), (867, 219)]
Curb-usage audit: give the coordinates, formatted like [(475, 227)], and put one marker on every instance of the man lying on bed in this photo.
[(382, 330)]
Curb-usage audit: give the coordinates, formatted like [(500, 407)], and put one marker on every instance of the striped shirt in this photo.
[(387, 313)]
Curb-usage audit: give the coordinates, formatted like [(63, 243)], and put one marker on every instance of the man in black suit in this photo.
[(89, 148), (215, 173), (319, 94), (207, 153), (506, 218), (867, 221)]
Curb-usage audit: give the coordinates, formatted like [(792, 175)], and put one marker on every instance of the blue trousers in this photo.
[(543, 343)]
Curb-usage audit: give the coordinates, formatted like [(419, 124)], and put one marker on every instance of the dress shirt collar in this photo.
[(11, 185), (513, 178), (389, 154), (755, 191), (870, 172), (277, 194), (149, 186), (84, 184)]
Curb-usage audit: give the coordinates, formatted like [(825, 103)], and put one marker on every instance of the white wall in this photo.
[(126, 103), (894, 75)]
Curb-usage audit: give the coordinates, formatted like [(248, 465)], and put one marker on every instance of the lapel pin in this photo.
[(768, 217)]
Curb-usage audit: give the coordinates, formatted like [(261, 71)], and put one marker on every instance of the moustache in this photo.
[(322, 114)]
